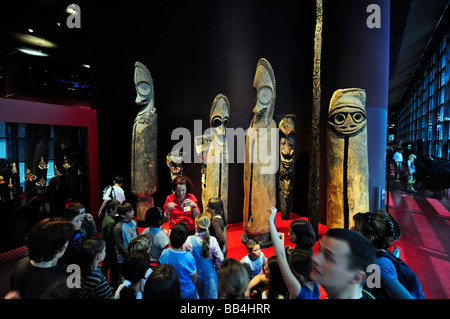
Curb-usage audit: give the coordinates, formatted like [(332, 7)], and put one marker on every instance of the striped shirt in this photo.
[(95, 286)]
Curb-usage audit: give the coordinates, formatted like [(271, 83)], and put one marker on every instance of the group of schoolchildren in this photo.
[(123, 264)]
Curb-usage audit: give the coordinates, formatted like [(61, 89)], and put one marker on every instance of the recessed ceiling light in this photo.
[(32, 52), (31, 39), (30, 30)]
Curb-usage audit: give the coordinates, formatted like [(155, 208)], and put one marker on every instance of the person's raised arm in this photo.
[(291, 282)]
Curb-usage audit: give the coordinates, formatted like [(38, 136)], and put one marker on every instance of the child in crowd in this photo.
[(110, 262), (182, 260), (208, 257), (154, 218), (93, 283), (301, 233), (218, 223), (125, 231), (296, 270), (232, 280), (163, 283), (135, 271), (141, 242), (72, 254), (87, 220), (255, 259), (113, 192), (272, 282)]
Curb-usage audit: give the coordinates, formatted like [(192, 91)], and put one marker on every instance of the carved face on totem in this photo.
[(175, 163), (218, 118), (264, 86), (347, 114), (144, 85), (287, 142)]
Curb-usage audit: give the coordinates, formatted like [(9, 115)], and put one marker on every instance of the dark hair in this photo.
[(378, 225), (135, 266), (119, 179), (89, 249), (47, 238), (178, 235), (181, 180), (232, 280), (250, 244), (362, 253), (163, 283), (124, 208), (276, 285), (154, 217), (111, 204), (76, 207), (300, 262), (303, 230), (217, 205), (69, 214)]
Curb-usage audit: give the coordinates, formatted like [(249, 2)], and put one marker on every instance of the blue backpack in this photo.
[(405, 275)]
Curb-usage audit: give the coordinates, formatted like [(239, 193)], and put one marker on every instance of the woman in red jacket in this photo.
[(181, 206)]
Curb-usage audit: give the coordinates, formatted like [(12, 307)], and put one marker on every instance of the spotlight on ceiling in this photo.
[(31, 39), (32, 52)]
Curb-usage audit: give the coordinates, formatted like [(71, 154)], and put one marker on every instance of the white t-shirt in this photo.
[(119, 194)]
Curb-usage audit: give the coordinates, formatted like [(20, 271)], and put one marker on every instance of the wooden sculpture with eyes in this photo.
[(144, 146), (260, 186), (216, 176), (348, 168), (286, 173)]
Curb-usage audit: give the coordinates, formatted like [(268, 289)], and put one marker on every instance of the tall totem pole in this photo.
[(144, 146)]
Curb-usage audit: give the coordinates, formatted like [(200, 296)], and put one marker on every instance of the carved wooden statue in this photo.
[(216, 177), (175, 164), (348, 168), (144, 146), (286, 174), (260, 183)]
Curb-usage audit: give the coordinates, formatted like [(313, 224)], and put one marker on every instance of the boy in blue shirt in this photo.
[(255, 260), (182, 260)]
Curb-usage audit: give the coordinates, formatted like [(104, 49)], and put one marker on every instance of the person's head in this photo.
[(141, 242), (48, 239), (178, 235), (378, 227), (135, 268), (342, 260), (72, 215), (78, 208), (202, 224), (302, 234), (181, 185), (125, 211), (163, 283), (92, 252), (275, 284), (111, 206), (119, 180), (232, 279), (215, 207), (412, 157), (154, 217), (300, 263), (253, 248)]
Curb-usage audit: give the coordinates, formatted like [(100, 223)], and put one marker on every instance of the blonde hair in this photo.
[(202, 224)]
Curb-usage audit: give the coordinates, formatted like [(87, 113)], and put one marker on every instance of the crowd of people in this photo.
[(68, 257)]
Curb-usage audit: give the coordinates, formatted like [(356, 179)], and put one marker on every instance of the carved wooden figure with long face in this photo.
[(286, 177), (216, 180), (144, 146), (348, 168), (259, 181)]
